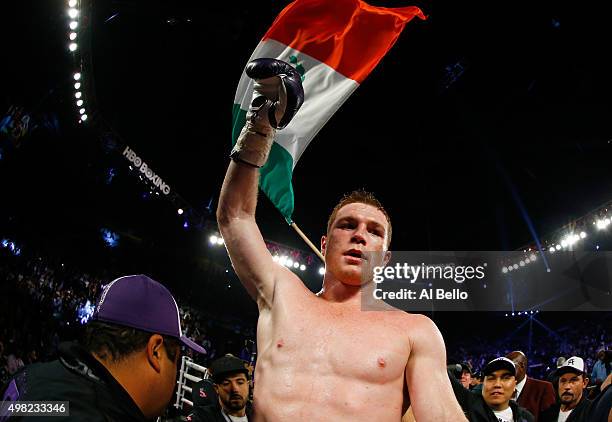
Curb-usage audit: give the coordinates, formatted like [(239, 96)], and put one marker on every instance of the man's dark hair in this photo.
[(117, 342)]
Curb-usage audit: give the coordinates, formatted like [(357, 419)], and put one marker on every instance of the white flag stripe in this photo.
[(325, 90)]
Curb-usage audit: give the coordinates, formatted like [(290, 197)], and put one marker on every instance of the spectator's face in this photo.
[(466, 379), (233, 392), (571, 386), (498, 388)]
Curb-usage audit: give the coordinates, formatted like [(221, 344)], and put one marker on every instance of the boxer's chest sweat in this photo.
[(312, 336)]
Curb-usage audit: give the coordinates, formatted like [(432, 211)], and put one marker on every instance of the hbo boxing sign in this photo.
[(146, 170)]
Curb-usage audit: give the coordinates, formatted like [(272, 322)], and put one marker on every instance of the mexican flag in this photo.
[(334, 45)]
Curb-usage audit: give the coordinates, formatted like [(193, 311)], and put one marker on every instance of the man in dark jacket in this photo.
[(532, 394), (573, 405), (494, 404), (231, 383), (124, 370)]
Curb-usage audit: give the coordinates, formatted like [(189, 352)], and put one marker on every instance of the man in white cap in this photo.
[(494, 404), (573, 405)]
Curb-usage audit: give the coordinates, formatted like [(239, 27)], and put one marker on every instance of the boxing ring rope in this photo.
[(186, 364)]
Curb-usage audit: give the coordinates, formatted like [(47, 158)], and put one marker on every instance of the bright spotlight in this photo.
[(282, 260), (179, 211), (522, 263), (79, 103), (82, 111), (558, 247), (515, 266), (72, 46), (84, 117), (564, 243), (72, 36), (296, 265), (73, 25), (289, 262), (77, 76), (72, 3), (302, 267), (551, 249), (601, 224), (220, 241), (322, 270), (77, 94), (77, 85), (73, 13), (532, 257), (582, 235), (504, 270), (213, 239)]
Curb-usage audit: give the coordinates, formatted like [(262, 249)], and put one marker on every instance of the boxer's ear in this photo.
[(387, 258), (323, 244)]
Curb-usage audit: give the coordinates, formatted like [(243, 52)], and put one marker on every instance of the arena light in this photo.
[(522, 263), (558, 247), (77, 76), (72, 36), (532, 257), (79, 103), (179, 211), (289, 262), (212, 239), (77, 85), (302, 267), (583, 235), (73, 25), (84, 117), (73, 13), (515, 266), (296, 265), (220, 241), (77, 94), (72, 46), (504, 270), (72, 3), (322, 270), (551, 249), (282, 260), (82, 111)]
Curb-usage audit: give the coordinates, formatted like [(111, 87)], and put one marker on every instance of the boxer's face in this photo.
[(357, 228)]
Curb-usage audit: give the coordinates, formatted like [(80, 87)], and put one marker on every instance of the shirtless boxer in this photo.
[(321, 358)]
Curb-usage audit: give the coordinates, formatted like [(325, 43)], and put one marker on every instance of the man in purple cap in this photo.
[(125, 368)]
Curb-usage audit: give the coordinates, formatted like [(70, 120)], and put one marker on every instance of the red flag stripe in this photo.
[(351, 36)]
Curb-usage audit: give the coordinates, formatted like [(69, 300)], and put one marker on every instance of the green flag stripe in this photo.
[(275, 175)]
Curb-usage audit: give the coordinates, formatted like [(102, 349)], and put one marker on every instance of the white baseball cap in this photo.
[(573, 364)]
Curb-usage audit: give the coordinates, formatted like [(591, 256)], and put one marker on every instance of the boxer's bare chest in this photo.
[(304, 333)]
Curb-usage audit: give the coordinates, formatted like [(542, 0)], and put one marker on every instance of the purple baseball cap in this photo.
[(140, 302)]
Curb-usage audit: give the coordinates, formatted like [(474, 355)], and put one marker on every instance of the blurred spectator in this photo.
[(601, 368), (573, 405), (494, 404), (231, 383), (532, 394)]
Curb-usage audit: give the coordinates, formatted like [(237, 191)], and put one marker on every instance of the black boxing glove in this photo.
[(278, 94)]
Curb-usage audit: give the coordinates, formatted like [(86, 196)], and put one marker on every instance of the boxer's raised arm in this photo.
[(428, 356), (245, 245), (277, 96)]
